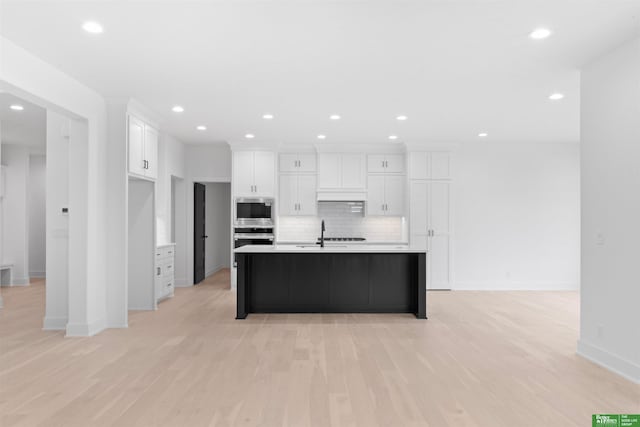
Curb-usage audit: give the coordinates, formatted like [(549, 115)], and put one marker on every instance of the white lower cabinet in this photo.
[(430, 228), (165, 275)]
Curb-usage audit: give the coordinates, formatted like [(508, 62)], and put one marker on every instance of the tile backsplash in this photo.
[(341, 221)]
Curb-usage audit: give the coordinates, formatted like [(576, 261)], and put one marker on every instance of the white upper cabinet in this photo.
[(385, 163), (288, 195), (253, 173), (297, 162), (307, 199), (342, 171), (143, 148), (385, 196), (297, 195), (376, 196), (151, 151), (430, 165)]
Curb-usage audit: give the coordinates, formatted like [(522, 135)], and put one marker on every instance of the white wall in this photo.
[(171, 164), (516, 216), (610, 164), (27, 76), (203, 163), (57, 223), (16, 212), (37, 216), (217, 227)]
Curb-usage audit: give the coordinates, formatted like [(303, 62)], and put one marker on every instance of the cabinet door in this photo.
[(353, 171), (394, 194), (440, 165), (306, 162), (264, 173), (288, 196), (418, 214), (288, 162), (136, 146), (419, 165), (375, 196), (394, 163), (243, 173), (307, 195), (440, 240), (376, 163), (439, 271), (151, 151), (329, 170)]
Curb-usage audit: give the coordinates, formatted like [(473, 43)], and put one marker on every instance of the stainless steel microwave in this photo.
[(253, 212)]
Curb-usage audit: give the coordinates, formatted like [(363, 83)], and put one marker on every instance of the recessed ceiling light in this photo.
[(17, 107), (322, 136), (334, 117), (393, 137), (556, 96), (401, 118), (177, 109), (201, 127), (92, 27), (267, 116), (483, 134), (249, 136), (540, 33)]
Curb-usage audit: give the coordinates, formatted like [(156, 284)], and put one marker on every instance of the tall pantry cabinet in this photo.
[(430, 223)]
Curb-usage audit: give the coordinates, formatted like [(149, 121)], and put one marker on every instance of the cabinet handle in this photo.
[(383, 163), (158, 268), (299, 207), (386, 163)]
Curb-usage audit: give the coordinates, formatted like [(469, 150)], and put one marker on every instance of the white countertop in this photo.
[(333, 248)]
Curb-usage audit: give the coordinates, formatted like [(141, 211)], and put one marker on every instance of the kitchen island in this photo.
[(333, 279)]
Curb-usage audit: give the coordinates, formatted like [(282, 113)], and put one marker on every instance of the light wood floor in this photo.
[(482, 359)]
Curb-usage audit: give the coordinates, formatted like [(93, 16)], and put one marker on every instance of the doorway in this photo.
[(212, 229)]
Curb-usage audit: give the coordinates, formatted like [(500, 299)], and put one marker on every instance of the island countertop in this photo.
[(329, 248)]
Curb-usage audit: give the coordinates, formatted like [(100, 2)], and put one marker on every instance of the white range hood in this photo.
[(342, 196)]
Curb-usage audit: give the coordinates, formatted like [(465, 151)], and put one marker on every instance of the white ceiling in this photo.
[(27, 127), (455, 68)]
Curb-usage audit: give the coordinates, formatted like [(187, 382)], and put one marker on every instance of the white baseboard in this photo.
[(54, 324), (37, 274), (85, 329), (182, 282), (610, 361), (514, 286), (18, 281)]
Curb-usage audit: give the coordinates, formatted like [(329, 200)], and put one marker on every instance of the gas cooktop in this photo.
[(344, 239)]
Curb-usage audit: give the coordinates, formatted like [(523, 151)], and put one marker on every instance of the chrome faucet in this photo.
[(322, 230)]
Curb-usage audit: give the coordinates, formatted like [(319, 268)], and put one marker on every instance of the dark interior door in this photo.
[(199, 235)]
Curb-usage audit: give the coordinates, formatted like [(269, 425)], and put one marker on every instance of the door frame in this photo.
[(189, 226)]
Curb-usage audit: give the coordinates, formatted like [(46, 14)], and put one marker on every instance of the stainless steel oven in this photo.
[(243, 236), (253, 213)]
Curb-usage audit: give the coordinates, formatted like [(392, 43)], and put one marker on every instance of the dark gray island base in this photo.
[(331, 282)]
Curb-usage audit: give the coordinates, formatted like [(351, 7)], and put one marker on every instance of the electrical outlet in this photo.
[(600, 238)]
